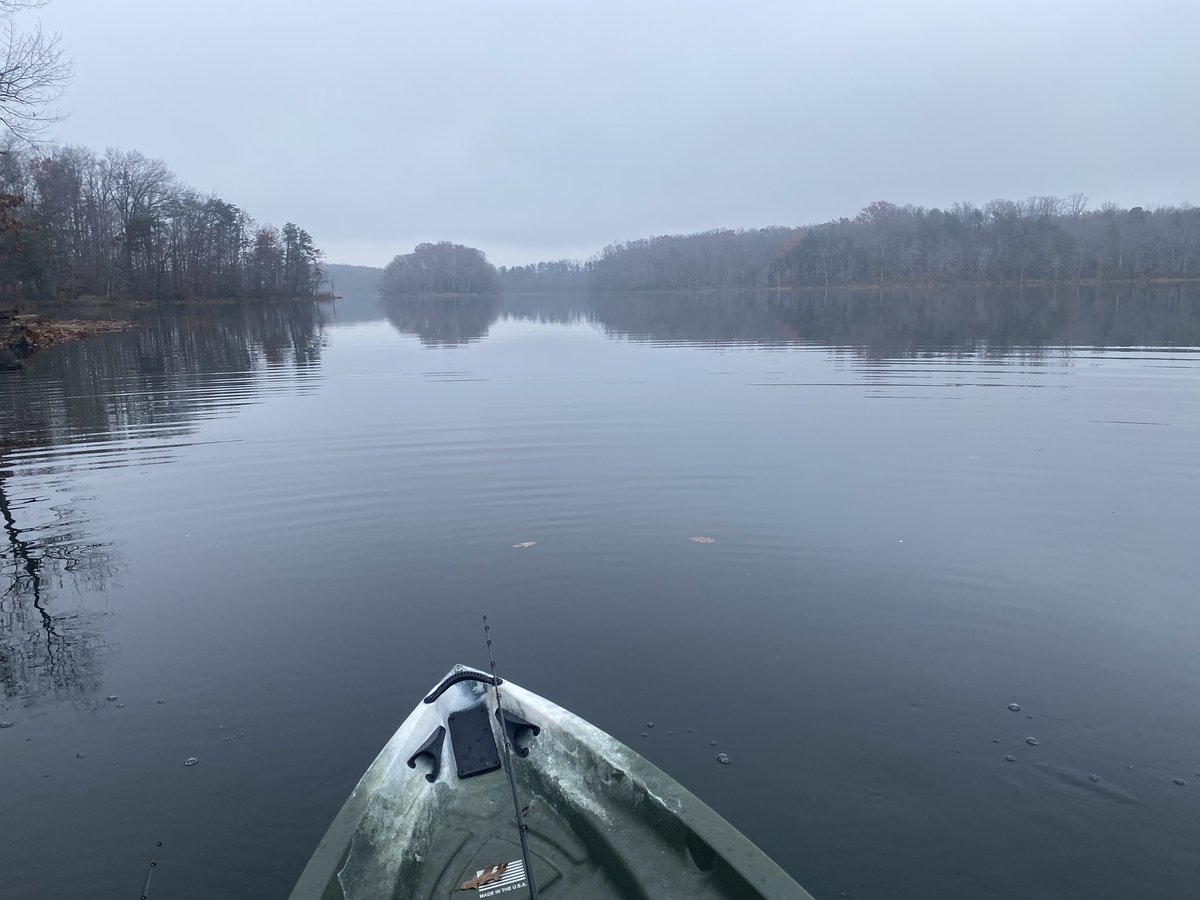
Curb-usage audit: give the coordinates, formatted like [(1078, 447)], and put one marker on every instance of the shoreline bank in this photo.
[(21, 336)]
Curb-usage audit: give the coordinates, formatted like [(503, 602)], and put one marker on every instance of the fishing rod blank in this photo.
[(150, 871), (512, 781)]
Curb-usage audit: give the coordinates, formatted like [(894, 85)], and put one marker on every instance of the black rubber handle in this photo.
[(455, 677)]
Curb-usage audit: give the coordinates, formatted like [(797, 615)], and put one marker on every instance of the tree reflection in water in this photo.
[(875, 324), (44, 650), (897, 323), (443, 320), (157, 381)]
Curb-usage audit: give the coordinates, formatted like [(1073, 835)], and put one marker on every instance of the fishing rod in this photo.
[(512, 781), (150, 871)]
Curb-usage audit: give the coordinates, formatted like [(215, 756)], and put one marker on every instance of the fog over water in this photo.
[(535, 130)]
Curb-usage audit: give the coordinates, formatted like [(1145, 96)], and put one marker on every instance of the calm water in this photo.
[(267, 532)]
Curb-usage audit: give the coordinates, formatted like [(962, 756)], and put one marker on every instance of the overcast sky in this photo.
[(546, 130)]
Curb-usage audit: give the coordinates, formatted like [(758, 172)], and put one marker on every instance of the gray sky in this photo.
[(538, 130)]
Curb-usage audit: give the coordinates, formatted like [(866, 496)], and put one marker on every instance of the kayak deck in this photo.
[(602, 821)]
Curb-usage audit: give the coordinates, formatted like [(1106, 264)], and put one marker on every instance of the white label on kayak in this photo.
[(512, 880)]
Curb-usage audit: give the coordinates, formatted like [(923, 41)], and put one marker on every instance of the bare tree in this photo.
[(33, 73), (141, 191)]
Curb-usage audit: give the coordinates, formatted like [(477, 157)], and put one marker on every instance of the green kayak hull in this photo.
[(433, 816)]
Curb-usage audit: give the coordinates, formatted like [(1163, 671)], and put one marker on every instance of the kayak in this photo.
[(434, 815)]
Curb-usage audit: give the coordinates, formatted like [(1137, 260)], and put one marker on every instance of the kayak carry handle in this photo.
[(454, 678)]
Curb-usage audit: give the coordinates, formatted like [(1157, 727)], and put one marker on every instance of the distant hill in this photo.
[(344, 280)]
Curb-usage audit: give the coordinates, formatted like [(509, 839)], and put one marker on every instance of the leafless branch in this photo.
[(33, 73)]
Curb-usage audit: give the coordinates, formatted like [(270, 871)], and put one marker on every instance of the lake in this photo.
[(257, 535)]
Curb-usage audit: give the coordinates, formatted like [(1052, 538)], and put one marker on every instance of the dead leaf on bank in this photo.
[(703, 540), (524, 545), (487, 876)]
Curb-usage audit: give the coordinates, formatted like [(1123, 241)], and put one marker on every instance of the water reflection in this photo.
[(890, 323), (918, 563), (443, 321), (121, 399), (548, 308), (44, 550), (995, 322), (893, 323), (157, 380)]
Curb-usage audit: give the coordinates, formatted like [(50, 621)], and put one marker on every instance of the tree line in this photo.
[(1043, 239), (119, 224), (441, 268), (559, 275)]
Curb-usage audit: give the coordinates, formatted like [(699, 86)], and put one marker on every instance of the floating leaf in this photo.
[(487, 876), (524, 545), (703, 540)]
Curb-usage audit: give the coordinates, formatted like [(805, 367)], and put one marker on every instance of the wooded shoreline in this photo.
[(1042, 240)]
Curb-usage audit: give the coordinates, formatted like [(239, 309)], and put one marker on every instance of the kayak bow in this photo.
[(433, 815)]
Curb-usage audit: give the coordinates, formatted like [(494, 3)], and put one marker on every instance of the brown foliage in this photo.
[(487, 876)]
